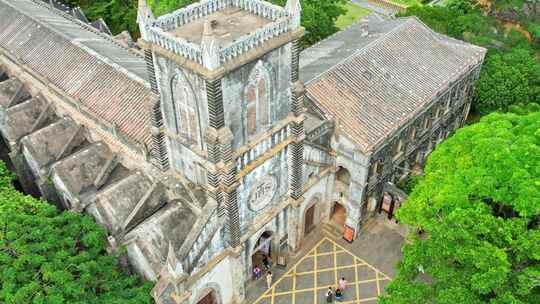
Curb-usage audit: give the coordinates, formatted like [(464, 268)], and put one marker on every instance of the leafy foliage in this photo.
[(511, 72), (479, 205), (161, 7), (508, 79), (52, 257), (408, 184), (318, 17), (120, 15)]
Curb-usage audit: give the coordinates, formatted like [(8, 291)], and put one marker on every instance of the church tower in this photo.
[(230, 116)]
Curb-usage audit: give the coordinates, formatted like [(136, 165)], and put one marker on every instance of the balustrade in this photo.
[(259, 149), (158, 28)]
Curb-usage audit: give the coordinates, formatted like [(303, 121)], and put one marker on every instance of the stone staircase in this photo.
[(332, 230)]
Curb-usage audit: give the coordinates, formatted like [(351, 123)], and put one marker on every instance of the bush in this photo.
[(47, 256)]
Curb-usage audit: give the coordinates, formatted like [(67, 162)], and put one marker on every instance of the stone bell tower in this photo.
[(230, 115)]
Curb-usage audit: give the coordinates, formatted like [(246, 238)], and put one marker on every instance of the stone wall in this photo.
[(276, 66), (183, 95), (414, 141)]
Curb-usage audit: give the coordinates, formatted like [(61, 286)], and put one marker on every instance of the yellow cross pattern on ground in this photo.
[(308, 280)]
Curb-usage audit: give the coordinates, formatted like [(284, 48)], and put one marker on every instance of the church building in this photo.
[(220, 138)]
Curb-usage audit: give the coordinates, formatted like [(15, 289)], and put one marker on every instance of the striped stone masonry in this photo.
[(295, 64), (215, 104), (229, 187)]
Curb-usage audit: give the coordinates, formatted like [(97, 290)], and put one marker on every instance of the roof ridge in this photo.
[(81, 24), (75, 41)]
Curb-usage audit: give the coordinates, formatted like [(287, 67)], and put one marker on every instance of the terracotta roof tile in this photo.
[(380, 86), (109, 81)]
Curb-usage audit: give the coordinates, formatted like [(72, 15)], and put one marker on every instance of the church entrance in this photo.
[(338, 214), (261, 259), (210, 298), (309, 220)]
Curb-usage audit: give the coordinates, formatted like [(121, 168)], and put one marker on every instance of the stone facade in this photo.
[(194, 151)]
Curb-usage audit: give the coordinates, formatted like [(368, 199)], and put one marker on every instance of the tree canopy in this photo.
[(511, 72), (318, 17), (479, 207), (47, 256)]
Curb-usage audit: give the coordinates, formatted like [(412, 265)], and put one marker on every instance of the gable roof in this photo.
[(381, 85), (108, 80)]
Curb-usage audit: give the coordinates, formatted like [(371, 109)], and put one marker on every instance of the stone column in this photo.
[(293, 228), (237, 277), (296, 149), (216, 122), (296, 165), (229, 186), (212, 171), (158, 153)]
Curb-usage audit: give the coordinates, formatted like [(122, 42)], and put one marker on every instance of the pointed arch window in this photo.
[(185, 110), (257, 101)]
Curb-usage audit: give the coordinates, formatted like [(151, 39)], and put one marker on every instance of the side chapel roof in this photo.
[(373, 82), (107, 80)]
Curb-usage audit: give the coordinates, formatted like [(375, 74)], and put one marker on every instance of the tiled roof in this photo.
[(381, 85), (108, 80)]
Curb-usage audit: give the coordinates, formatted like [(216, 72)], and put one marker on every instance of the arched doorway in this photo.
[(262, 251), (338, 214), (343, 175), (209, 298), (309, 220)]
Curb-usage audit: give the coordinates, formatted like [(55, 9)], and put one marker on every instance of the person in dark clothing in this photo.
[(339, 295), (329, 295), (266, 262)]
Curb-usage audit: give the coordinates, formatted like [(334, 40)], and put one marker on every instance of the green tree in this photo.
[(507, 79), (120, 15), (318, 18), (511, 71), (479, 208), (52, 257), (161, 7)]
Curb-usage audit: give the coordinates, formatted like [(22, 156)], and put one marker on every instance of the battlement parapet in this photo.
[(176, 45), (255, 22), (204, 8), (248, 42)]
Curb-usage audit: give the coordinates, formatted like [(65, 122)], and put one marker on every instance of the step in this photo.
[(333, 231)]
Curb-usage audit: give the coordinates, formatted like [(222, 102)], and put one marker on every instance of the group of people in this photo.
[(257, 271), (339, 293)]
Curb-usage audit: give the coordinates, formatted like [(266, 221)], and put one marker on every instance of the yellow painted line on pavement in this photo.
[(315, 274), (378, 284), (284, 293), (335, 265), (356, 279), (314, 253)]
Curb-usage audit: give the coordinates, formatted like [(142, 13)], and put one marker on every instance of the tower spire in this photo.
[(210, 46), (144, 14), (294, 8)]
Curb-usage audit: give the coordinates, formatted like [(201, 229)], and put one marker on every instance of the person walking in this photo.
[(269, 279), (257, 272), (342, 284), (329, 295)]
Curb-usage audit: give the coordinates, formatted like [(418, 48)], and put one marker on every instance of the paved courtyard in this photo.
[(368, 264), (308, 280)]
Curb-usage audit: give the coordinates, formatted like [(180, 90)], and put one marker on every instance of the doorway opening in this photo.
[(338, 214), (343, 176), (309, 220), (209, 298), (262, 253)]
